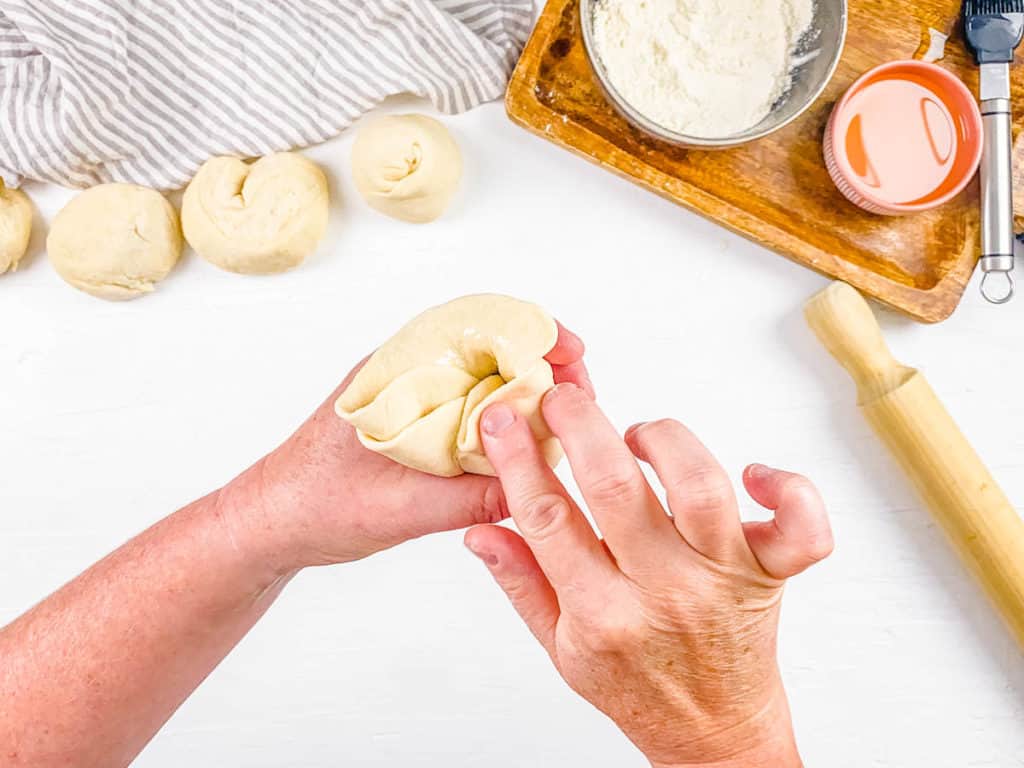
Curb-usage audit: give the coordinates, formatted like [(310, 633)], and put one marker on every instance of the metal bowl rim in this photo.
[(679, 139)]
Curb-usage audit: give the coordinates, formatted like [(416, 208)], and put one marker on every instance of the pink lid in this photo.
[(907, 136)]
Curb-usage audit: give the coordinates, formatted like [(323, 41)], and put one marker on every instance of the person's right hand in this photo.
[(669, 624)]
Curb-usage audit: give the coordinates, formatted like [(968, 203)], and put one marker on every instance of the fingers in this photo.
[(626, 510), (800, 534), (566, 360), (568, 347), (562, 540), (699, 493), (574, 373), (514, 567)]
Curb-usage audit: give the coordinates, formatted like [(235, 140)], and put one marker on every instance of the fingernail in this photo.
[(633, 429), (497, 419), (759, 470), (487, 557), (559, 390)]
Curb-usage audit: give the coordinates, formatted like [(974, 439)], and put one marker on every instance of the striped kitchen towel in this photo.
[(145, 91)]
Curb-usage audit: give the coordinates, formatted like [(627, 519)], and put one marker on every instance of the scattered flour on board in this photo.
[(704, 68)]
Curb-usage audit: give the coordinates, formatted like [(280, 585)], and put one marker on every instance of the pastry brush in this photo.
[(993, 30)]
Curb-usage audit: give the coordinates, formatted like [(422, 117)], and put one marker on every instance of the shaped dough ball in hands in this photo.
[(259, 218), (407, 166), (419, 398), (15, 227), (115, 241)]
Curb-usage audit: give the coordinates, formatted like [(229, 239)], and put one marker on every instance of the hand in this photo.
[(669, 624), (323, 498)]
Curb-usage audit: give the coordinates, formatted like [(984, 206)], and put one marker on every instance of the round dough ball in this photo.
[(407, 166), (419, 398), (15, 227), (256, 218), (115, 241)]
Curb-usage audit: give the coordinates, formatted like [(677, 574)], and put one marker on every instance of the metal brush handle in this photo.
[(997, 199)]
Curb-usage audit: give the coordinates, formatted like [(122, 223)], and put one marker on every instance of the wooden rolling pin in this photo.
[(983, 526)]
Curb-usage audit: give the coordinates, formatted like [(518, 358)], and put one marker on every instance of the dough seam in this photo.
[(498, 346)]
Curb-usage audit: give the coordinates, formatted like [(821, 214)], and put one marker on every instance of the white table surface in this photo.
[(113, 415)]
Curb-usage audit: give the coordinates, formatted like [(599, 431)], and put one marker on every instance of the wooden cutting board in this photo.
[(776, 191)]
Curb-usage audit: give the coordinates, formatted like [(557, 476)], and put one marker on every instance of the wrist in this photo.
[(765, 740), (776, 755), (254, 526)]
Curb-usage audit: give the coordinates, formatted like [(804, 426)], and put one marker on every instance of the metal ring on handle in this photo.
[(998, 299)]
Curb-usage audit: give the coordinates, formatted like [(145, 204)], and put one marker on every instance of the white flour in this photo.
[(704, 68)]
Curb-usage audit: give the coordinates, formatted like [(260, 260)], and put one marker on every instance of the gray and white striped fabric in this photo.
[(145, 91)]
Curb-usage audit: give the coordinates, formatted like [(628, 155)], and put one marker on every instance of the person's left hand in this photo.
[(323, 498)]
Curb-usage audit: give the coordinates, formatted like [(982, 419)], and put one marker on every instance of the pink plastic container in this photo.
[(905, 137)]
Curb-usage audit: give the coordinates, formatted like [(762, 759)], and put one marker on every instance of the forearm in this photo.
[(91, 673)]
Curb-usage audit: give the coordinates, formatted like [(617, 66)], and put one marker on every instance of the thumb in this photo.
[(451, 503), (800, 534), (514, 567)]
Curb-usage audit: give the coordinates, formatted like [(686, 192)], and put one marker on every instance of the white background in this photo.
[(113, 415)]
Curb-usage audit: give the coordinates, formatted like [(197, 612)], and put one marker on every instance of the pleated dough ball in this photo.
[(15, 227), (419, 398), (407, 166), (115, 241), (256, 218)]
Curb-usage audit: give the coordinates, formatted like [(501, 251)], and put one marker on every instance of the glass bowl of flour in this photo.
[(713, 73)]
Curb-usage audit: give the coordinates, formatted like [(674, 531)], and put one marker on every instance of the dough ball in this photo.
[(419, 398), (256, 218), (407, 166), (15, 227), (115, 241)]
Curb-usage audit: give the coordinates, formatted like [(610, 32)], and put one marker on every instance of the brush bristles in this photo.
[(991, 7)]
